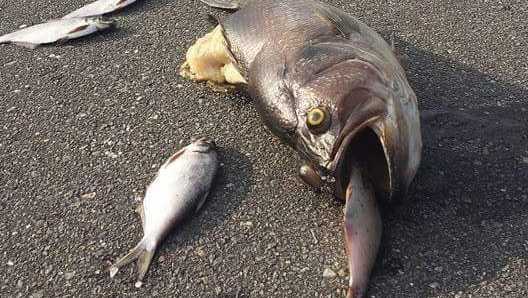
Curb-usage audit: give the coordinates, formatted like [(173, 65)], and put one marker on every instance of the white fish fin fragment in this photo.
[(26, 45), (201, 202), (131, 256)]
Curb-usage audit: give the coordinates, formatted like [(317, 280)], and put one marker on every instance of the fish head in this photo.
[(345, 109), (101, 23), (202, 144)]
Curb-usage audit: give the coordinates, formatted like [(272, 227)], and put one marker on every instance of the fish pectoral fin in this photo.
[(27, 45), (224, 4), (201, 202)]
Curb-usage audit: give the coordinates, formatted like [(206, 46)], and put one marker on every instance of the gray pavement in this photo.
[(85, 125)]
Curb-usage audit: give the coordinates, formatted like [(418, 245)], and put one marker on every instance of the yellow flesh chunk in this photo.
[(209, 59)]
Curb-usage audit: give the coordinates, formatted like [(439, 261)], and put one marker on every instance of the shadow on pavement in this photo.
[(467, 216)]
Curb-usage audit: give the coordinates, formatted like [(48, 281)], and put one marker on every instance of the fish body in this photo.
[(98, 8), (56, 30), (334, 90), (178, 191)]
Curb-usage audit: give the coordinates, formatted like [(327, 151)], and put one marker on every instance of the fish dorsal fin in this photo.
[(223, 4)]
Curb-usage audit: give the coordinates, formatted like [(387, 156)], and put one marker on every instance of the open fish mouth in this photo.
[(342, 154)]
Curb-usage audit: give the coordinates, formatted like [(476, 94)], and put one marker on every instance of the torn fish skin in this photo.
[(334, 90), (98, 8), (57, 31), (178, 191)]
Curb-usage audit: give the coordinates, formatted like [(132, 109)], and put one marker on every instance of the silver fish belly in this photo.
[(98, 8), (179, 190), (56, 30)]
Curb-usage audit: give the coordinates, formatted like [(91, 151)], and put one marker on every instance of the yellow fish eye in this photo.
[(318, 120)]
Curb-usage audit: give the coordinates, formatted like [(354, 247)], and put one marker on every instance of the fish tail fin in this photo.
[(134, 254), (224, 4), (143, 264)]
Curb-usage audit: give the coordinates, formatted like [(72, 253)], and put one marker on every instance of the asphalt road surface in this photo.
[(85, 126)]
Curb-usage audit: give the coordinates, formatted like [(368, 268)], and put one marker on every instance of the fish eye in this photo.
[(318, 120)]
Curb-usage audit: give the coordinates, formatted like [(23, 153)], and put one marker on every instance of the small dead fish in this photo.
[(56, 31), (179, 190), (98, 8)]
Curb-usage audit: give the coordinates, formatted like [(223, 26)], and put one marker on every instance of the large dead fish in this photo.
[(332, 88), (98, 8), (56, 31), (179, 190)]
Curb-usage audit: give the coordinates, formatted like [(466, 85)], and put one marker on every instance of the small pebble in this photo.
[(90, 195), (38, 294), (111, 154), (69, 275), (329, 273), (342, 272), (434, 285), (248, 224), (200, 252)]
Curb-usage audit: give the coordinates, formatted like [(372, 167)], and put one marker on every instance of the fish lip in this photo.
[(338, 164)]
